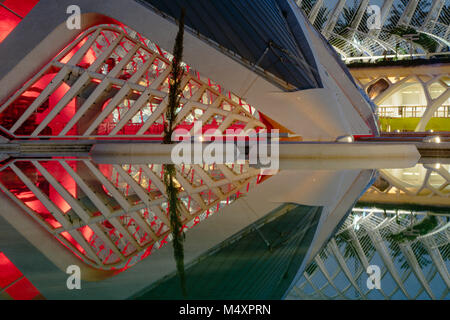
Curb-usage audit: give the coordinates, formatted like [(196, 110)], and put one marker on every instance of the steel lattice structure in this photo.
[(344, 24), (418, 266), (111, 82), (112, 216)]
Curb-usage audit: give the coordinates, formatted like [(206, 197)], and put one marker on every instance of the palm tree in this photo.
[(169, 169)]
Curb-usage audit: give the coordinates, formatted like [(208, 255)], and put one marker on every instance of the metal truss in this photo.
[(345, 26), (111, 82), (112, 216), (365, 238)]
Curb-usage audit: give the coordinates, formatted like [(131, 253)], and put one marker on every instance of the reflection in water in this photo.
[(295, 234), (412, 250), (249, 234), (428, 180), (258, 263), (112, 216), (13, 284)]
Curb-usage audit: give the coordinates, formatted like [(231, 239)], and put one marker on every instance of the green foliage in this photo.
[(346, 20), (344, 239), (420, 229), (173, 201), (311, 268), (424, 41), (410, 124), (175, 222), (343, 28), (175, 82)]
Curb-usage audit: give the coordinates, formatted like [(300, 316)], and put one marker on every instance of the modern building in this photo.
[(373, 37), (82, 115)]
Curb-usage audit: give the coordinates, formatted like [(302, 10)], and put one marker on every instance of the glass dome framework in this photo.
[(413, 266), (344, 25)]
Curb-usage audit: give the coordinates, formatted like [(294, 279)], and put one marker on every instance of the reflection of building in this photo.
[(112, 216), (11, 13), (414, 261), (13, 284), (400, 224), (422, 185), (258, 263)]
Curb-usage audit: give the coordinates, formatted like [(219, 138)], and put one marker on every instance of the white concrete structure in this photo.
[(109, 80), (423, 184), (421, 91)]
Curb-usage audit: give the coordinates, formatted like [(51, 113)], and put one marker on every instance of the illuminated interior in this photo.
[(72, 97)]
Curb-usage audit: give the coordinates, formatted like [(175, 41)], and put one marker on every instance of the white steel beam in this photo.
[(378, 243), (315, 11), (332, 20), (414, 264)]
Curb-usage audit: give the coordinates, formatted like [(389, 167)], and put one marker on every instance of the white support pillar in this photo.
[(362, 256), (438, 262), (432, 16), (414, 264), (341, 261), (331, 22), (327, 276), (379, 245), (407, 15), (315, 11), (385, 10), (360, 14), (431, 109)]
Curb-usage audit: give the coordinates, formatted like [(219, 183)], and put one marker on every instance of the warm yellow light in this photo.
[(346, 139), (432, 139)]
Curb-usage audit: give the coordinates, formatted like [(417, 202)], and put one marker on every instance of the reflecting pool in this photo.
[(248, 234)]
